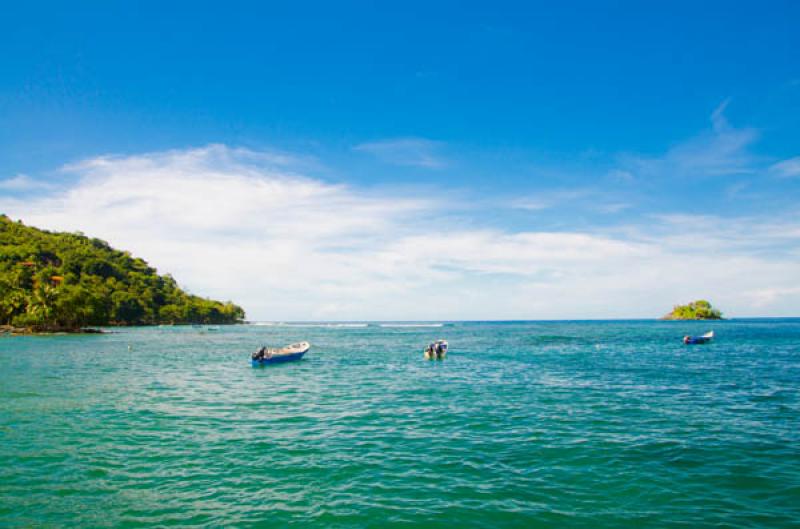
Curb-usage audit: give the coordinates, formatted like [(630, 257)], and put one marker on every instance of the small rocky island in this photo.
[(696, 310)]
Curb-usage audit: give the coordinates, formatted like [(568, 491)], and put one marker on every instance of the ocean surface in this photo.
[(525, 424)]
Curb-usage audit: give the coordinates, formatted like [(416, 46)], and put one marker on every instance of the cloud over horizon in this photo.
[(250, 226)]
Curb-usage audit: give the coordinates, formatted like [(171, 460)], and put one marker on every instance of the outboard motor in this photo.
[(259, 355)]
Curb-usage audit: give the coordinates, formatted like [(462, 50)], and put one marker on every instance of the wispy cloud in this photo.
[(765, 297), (23, 182), (787, 168), (233, 224), (416, 152), (722, 150), (581, 199), (744, 235)]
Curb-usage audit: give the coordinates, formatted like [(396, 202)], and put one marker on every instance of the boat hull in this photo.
[(703, 338), (278, 359)]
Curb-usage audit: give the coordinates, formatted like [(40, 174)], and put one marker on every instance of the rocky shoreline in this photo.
[(10, 330)]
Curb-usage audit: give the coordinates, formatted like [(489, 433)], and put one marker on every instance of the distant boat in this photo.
[(436, 350), (705, 338), (269, 355)]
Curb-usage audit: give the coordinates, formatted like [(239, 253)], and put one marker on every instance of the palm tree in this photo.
[(42, 303)]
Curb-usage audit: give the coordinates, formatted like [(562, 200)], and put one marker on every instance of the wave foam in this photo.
[(412, 325)]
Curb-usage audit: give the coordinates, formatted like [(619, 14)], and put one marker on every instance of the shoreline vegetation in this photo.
[(55, 282), (696, 310)]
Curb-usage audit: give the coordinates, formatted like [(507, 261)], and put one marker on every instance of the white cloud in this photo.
[(417, 152), (718, 120), (787, 168), (582, 199), (619, 175), (746, 235), (236, 224), (532, 204), (722, 150), (769, 296), (22, 182), (613, 207)]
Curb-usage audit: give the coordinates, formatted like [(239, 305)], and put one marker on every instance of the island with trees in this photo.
[(696, 310), (65, 282)]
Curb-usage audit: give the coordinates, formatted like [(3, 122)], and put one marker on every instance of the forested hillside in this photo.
[(65, 281)]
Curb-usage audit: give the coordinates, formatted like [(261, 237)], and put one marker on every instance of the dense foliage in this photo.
[(65, 281), (696, 310)]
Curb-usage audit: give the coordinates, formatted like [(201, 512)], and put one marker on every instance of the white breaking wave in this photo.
[(412, 324), (320, 325), (330, 325)]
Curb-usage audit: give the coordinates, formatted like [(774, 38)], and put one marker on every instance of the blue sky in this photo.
[(658, 139)]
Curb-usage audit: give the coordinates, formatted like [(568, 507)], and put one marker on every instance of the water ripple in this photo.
[(524, 425)]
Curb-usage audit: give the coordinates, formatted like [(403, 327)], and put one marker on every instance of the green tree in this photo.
[(52, 281), (696, 310)]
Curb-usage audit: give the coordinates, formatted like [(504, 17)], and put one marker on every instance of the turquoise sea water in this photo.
[(525, 424)]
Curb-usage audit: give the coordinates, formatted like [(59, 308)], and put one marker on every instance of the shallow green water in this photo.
[(585, 424)]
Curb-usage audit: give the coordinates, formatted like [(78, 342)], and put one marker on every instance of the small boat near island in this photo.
[(704, 338), (436, 350), (270, 355)]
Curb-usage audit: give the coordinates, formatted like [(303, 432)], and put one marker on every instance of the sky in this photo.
[(422, 160)]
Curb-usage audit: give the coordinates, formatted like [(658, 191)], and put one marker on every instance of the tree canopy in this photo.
[(696, 310), (65, 281)]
